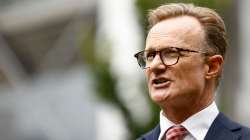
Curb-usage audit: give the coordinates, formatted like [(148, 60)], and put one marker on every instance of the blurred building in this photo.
[(45, 88)]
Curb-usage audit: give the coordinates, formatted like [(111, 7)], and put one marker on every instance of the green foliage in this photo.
[(104, 82)]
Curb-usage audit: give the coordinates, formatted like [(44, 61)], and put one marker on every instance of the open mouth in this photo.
[(160, 81)]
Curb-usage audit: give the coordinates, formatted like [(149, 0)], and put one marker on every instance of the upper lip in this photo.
[(159, 78)]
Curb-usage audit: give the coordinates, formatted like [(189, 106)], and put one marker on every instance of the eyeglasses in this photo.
[(169, 56)]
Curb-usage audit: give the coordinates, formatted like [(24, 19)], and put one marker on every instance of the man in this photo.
[(183, 60)]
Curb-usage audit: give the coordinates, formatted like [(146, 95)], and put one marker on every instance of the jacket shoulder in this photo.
[(245, 133), (224, 128), (242, 130)]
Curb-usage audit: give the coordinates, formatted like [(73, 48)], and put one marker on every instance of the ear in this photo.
[(215, 64)]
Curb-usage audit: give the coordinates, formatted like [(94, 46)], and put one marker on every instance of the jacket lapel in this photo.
[(223, 129), (152, 135)]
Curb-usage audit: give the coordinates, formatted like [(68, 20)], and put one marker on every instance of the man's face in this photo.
[(183, 83)]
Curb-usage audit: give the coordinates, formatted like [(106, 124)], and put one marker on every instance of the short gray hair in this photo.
[(213, 25)]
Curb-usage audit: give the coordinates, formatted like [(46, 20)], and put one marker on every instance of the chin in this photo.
[(159, 96)]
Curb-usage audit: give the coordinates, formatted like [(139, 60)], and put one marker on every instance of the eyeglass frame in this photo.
[(179, 50)]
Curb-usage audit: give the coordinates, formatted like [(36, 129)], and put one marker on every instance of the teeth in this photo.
[(159, 81)]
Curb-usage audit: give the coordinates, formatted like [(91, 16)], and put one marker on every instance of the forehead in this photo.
[(184, 31)]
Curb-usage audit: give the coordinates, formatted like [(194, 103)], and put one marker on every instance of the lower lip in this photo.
[(162, 85)]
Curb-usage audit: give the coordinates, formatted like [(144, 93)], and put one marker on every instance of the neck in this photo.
[(178, 115), (179, 111)]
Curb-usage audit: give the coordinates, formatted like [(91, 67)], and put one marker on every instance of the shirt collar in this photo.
[(197, 125)]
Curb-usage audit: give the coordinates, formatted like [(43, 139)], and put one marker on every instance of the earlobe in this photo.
[(215, 64)]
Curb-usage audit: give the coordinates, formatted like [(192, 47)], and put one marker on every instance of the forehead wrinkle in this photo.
[(157, 48), (175, 41), (176, 36)]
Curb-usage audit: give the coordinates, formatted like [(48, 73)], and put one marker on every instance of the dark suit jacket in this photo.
[(221, 129)]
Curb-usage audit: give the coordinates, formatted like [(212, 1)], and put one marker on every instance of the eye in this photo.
[(170, 53), (150, 56), (184, 52)]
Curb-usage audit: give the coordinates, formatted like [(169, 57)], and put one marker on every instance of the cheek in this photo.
[(192, 76), (147, 73), (190, 72)]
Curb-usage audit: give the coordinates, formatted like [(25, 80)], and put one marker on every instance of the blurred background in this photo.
[(67, 70)]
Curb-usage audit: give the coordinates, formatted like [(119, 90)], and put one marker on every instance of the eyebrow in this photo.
[(151, 48)]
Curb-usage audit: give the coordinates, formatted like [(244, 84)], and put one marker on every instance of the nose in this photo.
[(157, 64)]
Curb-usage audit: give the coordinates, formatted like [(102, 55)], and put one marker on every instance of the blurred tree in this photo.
[(105, 84)]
